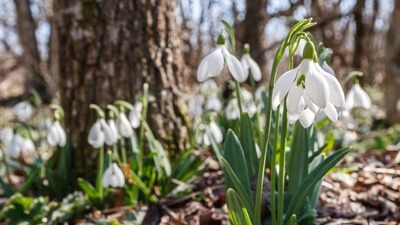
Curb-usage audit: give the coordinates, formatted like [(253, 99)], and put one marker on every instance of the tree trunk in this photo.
[(26, 27), (251, 30), (107, 50), (392, 79)]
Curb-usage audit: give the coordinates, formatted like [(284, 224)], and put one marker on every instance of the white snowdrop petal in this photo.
[(53, 135), (311, 105), (124, 126), (213, 103), (61, 133), (328, 69), (293, 99), (23, 110), (202, 73), (216, 132), (215, 62), (254, 68), (306, 118), (336, 94), (114, 130), (14, 147), (361, 98), (317, 87), (349, 100), (109, 137), (330, 112), (28, 146), (234, 66), (282, 87), (96, 135)]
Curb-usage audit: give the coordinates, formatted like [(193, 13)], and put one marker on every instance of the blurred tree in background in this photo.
[(99, 51)]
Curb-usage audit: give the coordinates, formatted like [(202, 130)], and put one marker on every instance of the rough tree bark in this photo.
[(26, 27), (251, 30), (107, 50), (392, 79)]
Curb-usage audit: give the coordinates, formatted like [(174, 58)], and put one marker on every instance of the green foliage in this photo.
[(237, 213)]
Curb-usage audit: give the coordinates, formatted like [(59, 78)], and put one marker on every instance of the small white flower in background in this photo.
[(196, 106), (124, 126), (113, 177), (114, 132), (23, 111), (357, 97), (232, 110), (56, 135), (45, 124), (213, 103), (213, 64), (14, 147), (215, 132), (100, 133), (248, 104), (28, 146), (135, 115), (6, 135), (309, 89), (249, 65), (209, 87)]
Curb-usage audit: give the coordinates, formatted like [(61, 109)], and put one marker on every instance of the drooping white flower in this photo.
[(216, 133), (6, 135), (328, 69), (213, 64), (249, 105), (195, 106), (208, 87), (14, 147), (100, 133), (357, 97), (309, 89), (232, 111), (124, 126), (28, 146), (56, 135), (114, 132), (250, 66), (135, 115), (113, 177), (213, 103), (23, 111)]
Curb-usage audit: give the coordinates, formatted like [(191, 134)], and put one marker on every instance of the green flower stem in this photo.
[(239, 97), (123, 151), (273, 168), (142, 128), (115, 154), (101, 171), (282, 159)]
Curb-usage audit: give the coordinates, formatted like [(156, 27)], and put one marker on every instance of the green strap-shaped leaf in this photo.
[(292, 220), (248, 144), (298, 158), (234, 155), (87, 188), (243, 193), (237, 213), (313, 177)]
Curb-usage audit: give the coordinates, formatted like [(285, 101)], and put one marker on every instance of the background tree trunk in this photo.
[(107, 50), (392, 79), (26, 27)]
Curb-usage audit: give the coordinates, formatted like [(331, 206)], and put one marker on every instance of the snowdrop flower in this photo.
[(249, 65), (19, 145), (213, 103), (213, 64), (124, 126), (196, 106), (114, 133), (208, 87), (28, 146), (14, 147), (232, 110), (23, 110), (56, 135), (135, 115), (113, 177), (216, 133), (328, 69), (248, 104), (6, 135), (99, 134), (309, 89), (357, 97)]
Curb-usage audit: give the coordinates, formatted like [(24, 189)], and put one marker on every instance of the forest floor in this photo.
[(362, 189)]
